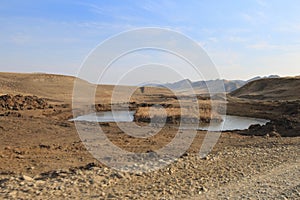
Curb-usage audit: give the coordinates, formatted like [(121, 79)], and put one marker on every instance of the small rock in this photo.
[(20, 157), (26, 178), (7, 148), (13, 194), (203, 189), (30, 168), (44, 146), (111, 196), (117, 175), (40, 182)]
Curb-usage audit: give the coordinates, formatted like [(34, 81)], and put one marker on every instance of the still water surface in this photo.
[(229, 122)]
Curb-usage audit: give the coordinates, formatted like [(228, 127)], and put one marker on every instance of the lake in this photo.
[(229, 122), (120, 116)]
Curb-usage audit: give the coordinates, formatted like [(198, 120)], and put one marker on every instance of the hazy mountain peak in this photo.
[(214, 85)]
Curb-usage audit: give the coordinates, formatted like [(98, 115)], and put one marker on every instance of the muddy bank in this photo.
[(276, 128), (284, 116)]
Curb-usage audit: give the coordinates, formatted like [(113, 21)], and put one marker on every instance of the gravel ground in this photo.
[(260, 168)]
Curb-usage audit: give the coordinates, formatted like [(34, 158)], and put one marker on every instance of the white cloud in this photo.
[(105, 26), (237, 39), (289, 27), (283, 64), (213, 39), (227, 61), (262, 3), (20, 39), (256, 17), (263, 45)]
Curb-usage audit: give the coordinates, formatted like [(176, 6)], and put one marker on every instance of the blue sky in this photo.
[(243, 38)]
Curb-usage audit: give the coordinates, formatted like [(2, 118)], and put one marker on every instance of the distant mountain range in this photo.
[(202, 86)]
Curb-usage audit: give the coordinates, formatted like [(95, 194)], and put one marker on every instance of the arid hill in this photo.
[(58, 88), (270, 89), (50, 86), (276, 99)]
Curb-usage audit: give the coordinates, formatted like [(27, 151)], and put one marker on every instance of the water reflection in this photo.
[(229, 122)]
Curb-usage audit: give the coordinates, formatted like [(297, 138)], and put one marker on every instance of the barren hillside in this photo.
[(51, 86), (270, 89), (58, 88)]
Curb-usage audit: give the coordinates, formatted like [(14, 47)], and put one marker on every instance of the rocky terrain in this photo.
[(43, 157), (238, 168), (273, 99), (20, 102)]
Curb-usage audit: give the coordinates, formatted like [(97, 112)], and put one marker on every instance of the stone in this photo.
[(27, 178), (13, 194), (111, 196), (203, 189)]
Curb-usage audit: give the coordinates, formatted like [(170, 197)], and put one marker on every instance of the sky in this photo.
[(243, 38)]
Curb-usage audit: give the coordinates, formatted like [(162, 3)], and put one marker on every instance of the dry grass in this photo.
[(175, 114)]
